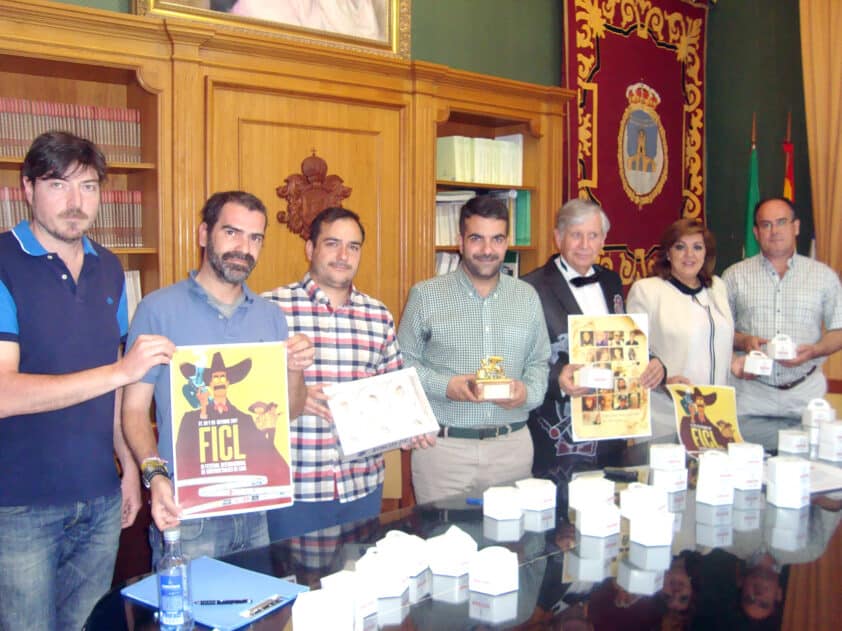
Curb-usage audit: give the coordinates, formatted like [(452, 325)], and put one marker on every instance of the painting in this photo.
[(371, 26)]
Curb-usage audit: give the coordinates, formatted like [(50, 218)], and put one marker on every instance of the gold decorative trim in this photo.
[(685, 34), (396, 44)]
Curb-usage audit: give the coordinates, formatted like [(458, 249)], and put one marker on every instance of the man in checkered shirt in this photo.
[(781, 292), (354, 336)]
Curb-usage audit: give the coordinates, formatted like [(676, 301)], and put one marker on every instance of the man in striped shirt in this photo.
[(781, 292), (354, 336)]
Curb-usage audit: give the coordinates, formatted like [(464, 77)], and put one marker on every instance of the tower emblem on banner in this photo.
[(642, 146)]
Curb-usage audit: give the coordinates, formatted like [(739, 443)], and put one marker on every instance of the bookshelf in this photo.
[(86, 88), (471, 106)]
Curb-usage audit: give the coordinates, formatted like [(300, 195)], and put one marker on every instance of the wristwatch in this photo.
[(151, 467)]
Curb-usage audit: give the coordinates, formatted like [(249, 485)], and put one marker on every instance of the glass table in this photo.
[(727, 576)]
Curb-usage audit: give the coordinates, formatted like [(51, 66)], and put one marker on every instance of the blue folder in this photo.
[(214, 580)]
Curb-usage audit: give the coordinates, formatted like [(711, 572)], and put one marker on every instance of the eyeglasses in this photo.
[(778, 223)]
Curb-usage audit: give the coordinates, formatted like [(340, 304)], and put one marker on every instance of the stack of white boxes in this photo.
[(714, 500), (597, 527), (650, 536)]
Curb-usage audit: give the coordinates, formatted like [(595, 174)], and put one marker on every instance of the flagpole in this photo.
[(750, 247)]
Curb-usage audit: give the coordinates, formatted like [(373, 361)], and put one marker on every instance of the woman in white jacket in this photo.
[(691, 329)]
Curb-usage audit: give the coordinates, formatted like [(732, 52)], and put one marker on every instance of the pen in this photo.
[(227, 601)]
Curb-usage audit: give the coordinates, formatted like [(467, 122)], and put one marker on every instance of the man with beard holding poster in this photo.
[(212, 306)]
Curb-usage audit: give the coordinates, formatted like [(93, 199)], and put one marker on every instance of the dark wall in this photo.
[(516, 39), (753, 65)]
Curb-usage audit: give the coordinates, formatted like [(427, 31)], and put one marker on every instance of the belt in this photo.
[(791, 384), (480, 433)]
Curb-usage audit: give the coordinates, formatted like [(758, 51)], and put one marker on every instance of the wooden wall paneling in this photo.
[(189, 157), (255, 142)]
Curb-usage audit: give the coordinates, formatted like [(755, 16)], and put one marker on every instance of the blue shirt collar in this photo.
[(248, 294), (32, 246)]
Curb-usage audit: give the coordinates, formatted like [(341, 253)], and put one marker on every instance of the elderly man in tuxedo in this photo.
[(570, 283)]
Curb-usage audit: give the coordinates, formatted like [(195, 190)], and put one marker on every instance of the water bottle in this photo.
[(173, 570)]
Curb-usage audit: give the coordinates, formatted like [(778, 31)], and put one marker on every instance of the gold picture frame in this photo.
[(369, 26)]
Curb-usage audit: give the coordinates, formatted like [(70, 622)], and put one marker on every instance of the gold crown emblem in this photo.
[(642, 94)]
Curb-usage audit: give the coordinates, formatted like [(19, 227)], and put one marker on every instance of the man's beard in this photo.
[(235, 272)]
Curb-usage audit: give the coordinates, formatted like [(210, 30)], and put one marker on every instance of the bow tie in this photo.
[(581, 281)]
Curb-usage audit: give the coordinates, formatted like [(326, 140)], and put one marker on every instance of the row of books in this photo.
[(449, 261), (482, 160), (133, 292), (118, 223), (449, 204), (115, 130)]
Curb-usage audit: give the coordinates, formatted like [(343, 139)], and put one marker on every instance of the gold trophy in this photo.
[(491, 383)]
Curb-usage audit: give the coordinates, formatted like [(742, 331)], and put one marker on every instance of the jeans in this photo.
[(215, 536), (304, 517), (56, 562)]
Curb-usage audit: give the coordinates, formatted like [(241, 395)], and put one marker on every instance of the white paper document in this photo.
[(379, 413)]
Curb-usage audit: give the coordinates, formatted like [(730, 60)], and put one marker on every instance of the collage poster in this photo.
[(230, 420), (705, 416), (618, 343)]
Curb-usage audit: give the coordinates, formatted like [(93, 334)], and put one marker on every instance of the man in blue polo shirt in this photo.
[(62, 319), (212, 306)]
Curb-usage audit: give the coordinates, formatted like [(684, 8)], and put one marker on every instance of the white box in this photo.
[(590, 376), (652, 529), (788, 540), (671, 480), (323, 609), (604, 548), (639, 498), (715, 484), (450, 589), (392, 610), (582, 569), (492, 609), (539, 520), (714, 536), (650, 557), (818, 411), (781, 347), (501, 502), (677, 501), (795, 519), (793, 441), (667, 457), (830, 441), (714, 514), (598, 520), (746, 520), (788, 484), (537, 494), (362, 592), (639, 581), (588, 490), (450, 553), (494, 571), (746, 465), (748, 500), (502, 529), (758, 363)]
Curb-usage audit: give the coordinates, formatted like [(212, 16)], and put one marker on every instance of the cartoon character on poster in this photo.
[(230, 427), (705, 416)]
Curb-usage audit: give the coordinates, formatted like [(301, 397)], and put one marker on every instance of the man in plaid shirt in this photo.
[(354, 336)]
